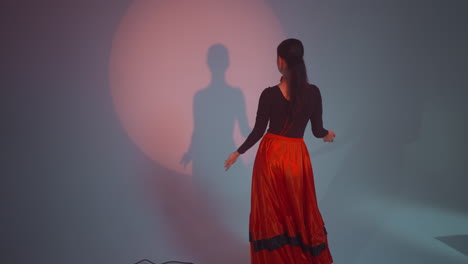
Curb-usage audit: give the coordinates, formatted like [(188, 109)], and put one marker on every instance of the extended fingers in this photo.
[(227, 166), (228, 163)]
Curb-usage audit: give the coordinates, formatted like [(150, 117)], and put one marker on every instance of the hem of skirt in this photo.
[(284, 239)]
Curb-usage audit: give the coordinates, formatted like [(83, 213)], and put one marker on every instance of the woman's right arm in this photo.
[(316, 116)]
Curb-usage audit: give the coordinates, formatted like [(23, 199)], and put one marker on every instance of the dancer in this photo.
[(285, 225)]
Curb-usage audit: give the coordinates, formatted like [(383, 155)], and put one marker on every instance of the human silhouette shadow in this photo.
[(216, 109)]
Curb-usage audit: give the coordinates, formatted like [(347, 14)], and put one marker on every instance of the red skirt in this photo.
[(285, 226)]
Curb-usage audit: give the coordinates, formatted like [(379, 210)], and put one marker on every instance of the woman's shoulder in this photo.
[(269, 90), (313, 89)]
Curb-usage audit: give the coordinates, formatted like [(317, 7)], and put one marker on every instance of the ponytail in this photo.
[(292, 51)]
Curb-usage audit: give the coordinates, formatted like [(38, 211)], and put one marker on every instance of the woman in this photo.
[(286, 225)]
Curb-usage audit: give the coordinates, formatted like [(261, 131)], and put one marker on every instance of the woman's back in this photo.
[(280, 122), (274, 108)]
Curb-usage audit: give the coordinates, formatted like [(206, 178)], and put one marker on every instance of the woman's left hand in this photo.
[(231, 160)]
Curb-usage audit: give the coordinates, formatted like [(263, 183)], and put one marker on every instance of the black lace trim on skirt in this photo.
[(283, 239)]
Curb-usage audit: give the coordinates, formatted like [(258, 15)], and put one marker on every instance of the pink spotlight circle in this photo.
[(159, 61)]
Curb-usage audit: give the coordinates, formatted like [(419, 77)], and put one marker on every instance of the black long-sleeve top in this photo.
[(273, 107)]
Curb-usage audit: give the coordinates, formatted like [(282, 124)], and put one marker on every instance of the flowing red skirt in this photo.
[(286, 226)]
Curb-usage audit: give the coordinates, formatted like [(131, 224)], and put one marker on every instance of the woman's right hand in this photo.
[(231, 160), (330, 136)]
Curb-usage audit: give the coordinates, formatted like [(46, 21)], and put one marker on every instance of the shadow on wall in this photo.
[(216, 109), (208, 213), (392, 79)]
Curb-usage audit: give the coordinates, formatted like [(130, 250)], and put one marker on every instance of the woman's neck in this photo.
[(283, 83)]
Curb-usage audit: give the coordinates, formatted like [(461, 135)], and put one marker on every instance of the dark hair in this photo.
[(292, 51)]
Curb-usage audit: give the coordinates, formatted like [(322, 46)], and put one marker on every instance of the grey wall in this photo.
[(391, 188)]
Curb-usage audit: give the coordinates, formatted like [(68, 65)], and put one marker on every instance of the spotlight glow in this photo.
[(159, 61)]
